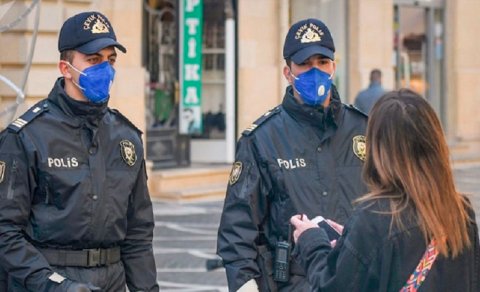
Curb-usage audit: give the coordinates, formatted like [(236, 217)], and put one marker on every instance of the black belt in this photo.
[(81, 258)]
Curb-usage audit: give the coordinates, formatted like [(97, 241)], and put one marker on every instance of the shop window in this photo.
[(213, 71)]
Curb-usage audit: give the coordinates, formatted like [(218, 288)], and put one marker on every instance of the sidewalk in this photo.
[(467, 178)]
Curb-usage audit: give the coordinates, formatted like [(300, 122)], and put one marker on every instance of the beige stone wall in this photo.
[(15, 50), (260, 63), (370, 43), (126, 15), (463, 68)]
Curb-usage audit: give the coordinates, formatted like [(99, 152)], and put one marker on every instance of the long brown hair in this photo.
[(408, 162)]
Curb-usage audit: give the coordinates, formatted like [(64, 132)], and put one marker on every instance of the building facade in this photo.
[(422, 44)]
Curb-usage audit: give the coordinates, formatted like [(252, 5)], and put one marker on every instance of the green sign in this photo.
[(191, 66)]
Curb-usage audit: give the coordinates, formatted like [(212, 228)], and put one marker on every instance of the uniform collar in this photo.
[(315, 116), (79, 111)]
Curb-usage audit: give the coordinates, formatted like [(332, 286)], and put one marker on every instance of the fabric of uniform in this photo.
[(297, 159), (368, 257), (69, 185)]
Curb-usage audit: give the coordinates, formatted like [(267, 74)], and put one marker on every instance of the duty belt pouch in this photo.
[(265, 263)]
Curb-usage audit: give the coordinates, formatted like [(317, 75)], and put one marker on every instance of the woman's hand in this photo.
[(301, 223), (337, 227)]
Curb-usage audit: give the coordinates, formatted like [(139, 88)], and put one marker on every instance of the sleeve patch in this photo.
[(235, 173), (3, 167)]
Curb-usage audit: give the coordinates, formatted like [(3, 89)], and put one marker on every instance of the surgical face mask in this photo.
[(313, 86), (95, 81)]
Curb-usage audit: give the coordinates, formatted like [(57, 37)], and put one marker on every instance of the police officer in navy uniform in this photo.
[(302, 157), (75, 212)]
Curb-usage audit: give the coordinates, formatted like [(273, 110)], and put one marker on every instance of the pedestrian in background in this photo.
[(304, 156), (366, 98), (75, 212), (413, 214)]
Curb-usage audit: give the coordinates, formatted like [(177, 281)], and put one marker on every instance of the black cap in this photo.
[(88, 33), (306, 38)]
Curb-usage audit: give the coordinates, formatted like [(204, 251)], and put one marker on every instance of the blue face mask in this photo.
[(313, 86), (95, 81)]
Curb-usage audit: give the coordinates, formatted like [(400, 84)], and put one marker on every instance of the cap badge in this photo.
[(2, 170), (96, 24), (99, 27), (311, 36), (360, 147), (235, 173), (309, 33), (127, 150)]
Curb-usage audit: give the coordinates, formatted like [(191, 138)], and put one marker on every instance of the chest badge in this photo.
[(127, 150), (235, 173), (2, 170), (360, 147)]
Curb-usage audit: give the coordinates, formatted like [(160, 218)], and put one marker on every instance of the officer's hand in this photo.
[(68, 285), (58, 283), (250, 286), (301, 223)]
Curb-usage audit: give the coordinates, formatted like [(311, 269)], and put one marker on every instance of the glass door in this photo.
[(418, 50), (212, 145)]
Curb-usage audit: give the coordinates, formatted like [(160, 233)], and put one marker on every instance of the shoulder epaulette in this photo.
[(249, 130), (124, 118), (354, 108), (32, 113)]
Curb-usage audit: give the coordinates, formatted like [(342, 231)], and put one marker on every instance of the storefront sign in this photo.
[(191, 22)]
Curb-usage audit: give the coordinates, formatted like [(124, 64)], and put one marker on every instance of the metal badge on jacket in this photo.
[(236, 171), (360, 147), (128, 152), (2, 170)]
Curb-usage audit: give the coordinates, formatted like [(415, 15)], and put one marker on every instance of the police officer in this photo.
[(75, 212), (302, 157)]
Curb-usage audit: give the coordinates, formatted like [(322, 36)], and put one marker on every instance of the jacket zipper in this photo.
[(47, 195), (11, 184)]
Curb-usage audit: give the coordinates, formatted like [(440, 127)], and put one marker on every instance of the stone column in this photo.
[(370, 41), (462, 67), (259, 51)]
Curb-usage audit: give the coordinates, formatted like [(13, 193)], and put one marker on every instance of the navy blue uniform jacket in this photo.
[(73, 178), (294, 159)]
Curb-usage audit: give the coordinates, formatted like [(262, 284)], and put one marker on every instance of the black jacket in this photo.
[(369, 258), (68, 183), (294, 159)]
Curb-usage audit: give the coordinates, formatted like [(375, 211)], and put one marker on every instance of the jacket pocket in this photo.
[(44, 191)]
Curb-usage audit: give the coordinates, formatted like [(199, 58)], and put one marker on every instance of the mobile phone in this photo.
[(331, 232)]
